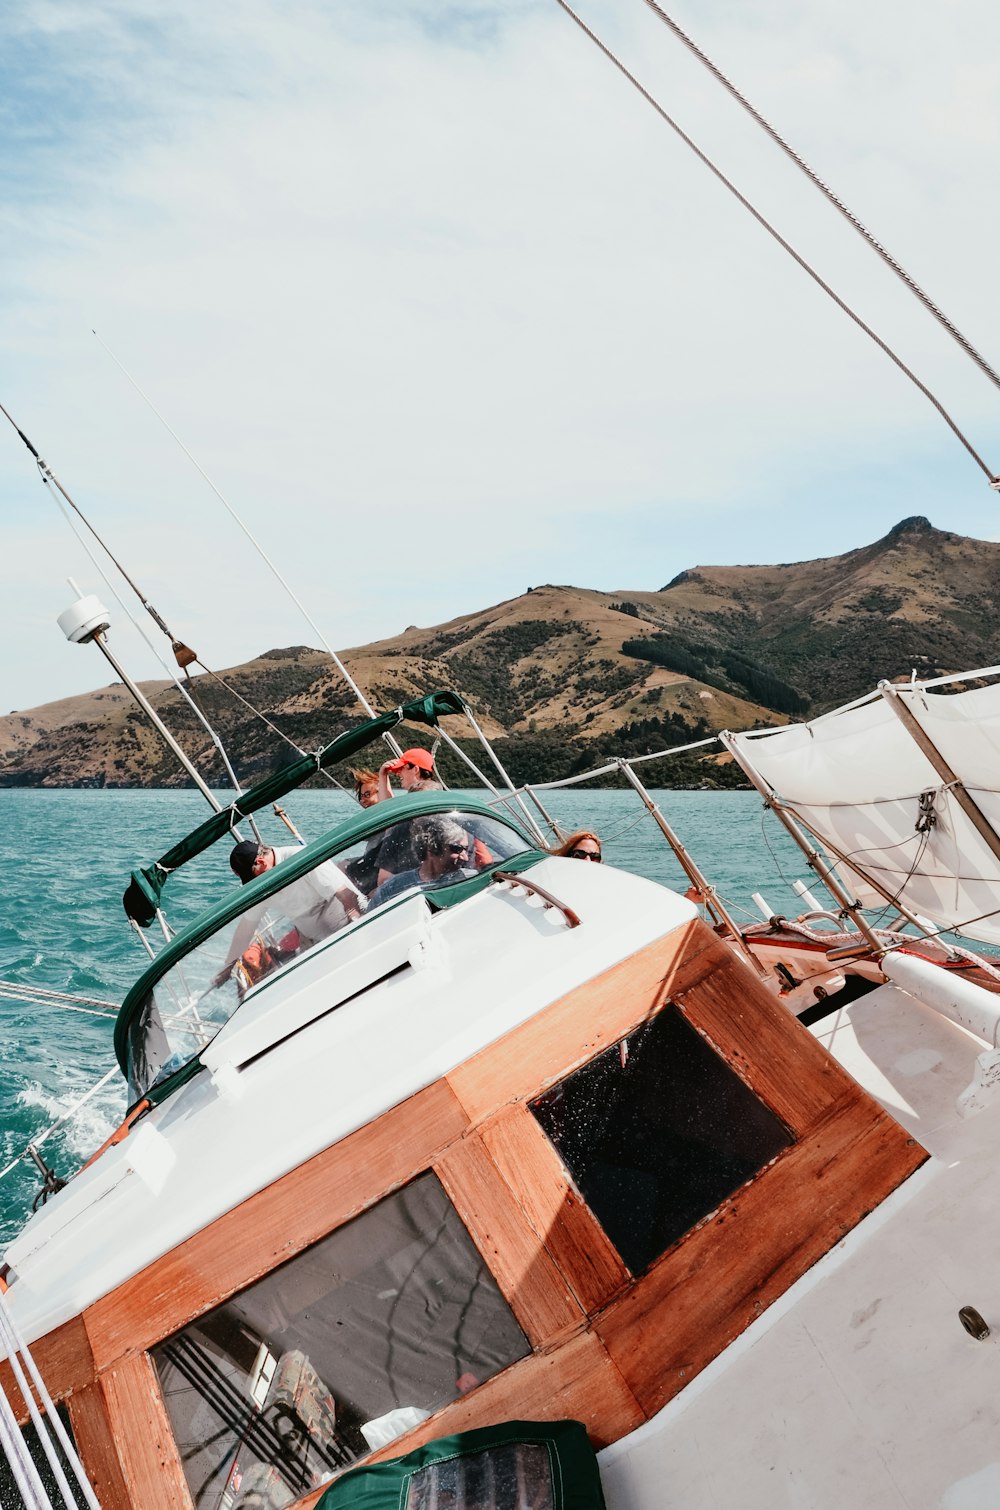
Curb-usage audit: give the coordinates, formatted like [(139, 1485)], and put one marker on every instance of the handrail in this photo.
[(572, 918)]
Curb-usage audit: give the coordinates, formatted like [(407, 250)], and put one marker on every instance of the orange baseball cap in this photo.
[(423, 759)]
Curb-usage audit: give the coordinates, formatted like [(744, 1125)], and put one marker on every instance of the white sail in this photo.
[(861, 783)]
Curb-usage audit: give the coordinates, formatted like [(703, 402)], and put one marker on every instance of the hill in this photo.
[(567, 676)]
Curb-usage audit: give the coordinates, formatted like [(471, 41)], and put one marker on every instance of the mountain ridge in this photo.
[(570, 676)]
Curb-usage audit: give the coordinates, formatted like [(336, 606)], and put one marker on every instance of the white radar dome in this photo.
[(85, 618)]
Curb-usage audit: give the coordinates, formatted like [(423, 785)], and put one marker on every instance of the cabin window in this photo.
[(337, 1352), (657, 1132)]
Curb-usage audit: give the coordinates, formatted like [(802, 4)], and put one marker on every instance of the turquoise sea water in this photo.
[(65, 857)]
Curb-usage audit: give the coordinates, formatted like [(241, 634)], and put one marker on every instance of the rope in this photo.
[(22, 1466), (43, 994), (828, 193), (786, 246), (44, 1440)]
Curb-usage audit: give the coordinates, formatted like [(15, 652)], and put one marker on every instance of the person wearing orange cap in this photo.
[(415, 769)]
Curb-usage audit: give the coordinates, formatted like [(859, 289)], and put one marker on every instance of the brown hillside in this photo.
[(717, 647), (919, 597)]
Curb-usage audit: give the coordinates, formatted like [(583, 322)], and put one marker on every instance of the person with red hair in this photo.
[(583, 845)]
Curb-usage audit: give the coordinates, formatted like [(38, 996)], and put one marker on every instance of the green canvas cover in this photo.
[(516, 1465), (142, 895)]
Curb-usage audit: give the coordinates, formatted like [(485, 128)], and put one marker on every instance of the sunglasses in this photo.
[(585, 854), (458, 849)]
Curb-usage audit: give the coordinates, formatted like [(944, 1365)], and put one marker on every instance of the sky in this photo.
[(445, 310)]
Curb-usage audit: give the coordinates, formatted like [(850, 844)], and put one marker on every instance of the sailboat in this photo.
[(521, 1141), (532, 1140)]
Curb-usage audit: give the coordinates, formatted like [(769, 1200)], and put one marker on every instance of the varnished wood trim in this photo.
[(142, 1440), (583, 1023), (552, 1204), (274, 1225), (749, 1028), (64, 1360), (533, 1287), (725, 1273), (95, 1442)]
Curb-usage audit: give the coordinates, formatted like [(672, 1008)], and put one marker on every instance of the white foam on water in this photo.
[(89, 1127)]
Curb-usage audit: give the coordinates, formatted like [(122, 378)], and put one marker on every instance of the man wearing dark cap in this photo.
[(317, 905), (310, 896)]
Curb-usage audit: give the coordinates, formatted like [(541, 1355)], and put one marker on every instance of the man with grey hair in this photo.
[(444, 855)]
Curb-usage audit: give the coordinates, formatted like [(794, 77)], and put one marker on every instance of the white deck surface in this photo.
[(860, 1388)]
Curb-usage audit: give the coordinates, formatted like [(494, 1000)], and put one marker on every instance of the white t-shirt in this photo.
[(311, 901)]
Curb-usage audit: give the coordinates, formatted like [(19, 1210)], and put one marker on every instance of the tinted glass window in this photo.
[(337, 1352), (656, 1132)]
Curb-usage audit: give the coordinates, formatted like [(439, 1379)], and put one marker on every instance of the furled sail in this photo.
[(903, 791)]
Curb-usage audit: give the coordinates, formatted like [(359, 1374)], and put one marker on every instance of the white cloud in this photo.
[(446, 310)]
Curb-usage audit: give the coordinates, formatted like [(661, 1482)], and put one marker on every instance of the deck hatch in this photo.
[(657, 1131)]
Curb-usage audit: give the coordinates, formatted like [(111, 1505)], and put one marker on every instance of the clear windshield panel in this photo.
[(195, 998)]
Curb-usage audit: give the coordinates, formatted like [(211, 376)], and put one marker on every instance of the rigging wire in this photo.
[(992, 477), (151, 645), (266, 721), (765, 809), (50, 997), (824, 188), (253, 541), (49, 477), (185, 656), (45, 1001)]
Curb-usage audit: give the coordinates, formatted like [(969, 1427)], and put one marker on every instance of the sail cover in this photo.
[(860, 781)]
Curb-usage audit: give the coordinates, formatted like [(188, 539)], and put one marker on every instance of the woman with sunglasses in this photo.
[(583, 845)]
